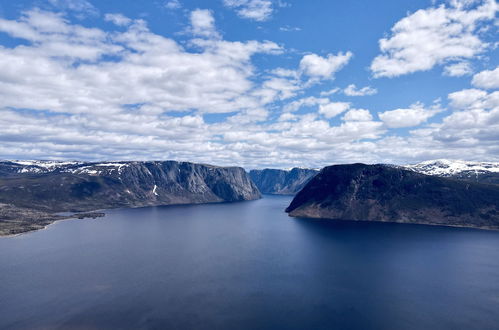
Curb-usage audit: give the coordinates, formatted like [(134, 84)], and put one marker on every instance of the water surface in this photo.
[(247, 266)]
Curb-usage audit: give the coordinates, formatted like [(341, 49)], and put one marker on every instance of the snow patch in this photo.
[(48, 164), (446, 167), (42, 166)]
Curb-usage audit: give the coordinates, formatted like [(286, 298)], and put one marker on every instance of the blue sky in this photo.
[(254, 83)]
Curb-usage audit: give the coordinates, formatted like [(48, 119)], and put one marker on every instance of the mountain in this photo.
[(393, 194), (282, 182), (35, 166), (482, 172), (50, 187)]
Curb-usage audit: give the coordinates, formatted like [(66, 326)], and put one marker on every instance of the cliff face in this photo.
[(391, 194), (91, 186), (282, 182)]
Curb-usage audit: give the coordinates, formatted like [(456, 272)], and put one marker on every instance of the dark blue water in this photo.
[(247, 266)]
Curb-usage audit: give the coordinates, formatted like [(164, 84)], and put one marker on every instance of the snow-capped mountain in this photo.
[(49, 166), (39, 166), (485, 172), (446, 167)]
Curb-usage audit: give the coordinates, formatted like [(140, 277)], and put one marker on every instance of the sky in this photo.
[(252, 83)]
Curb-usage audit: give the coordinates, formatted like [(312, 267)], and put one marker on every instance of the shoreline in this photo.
[(495, 229), (84, 216), (101, 213)]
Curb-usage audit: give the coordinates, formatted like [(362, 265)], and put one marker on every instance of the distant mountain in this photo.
[(482, 172), (51, 187), (35, 166), (282, 182), (393, 194)]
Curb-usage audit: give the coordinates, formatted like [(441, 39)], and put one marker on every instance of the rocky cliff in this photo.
[(392, 194), (80, 187), (282, 182)]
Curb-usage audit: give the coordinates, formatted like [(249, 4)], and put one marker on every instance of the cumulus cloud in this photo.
[(258, 10), (281, 72), (330, 92), (333, 109), (316, 66), (305, 102), (79, 6), (358, 115), (146, 69), (473, 99), (203, 23), (433, 36), (173, 4), (473, 127), (467, 98), (488, 79), (277, 88), (415, 115), (352, 90), (74, 92), (83, 105), (458, 69), (118, 19)]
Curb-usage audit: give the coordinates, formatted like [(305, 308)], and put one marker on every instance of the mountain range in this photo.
[(40, 189), (33, 193)]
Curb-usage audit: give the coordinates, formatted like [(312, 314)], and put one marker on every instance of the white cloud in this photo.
[(357, 115), (467, 98), (74, 92), (358, 130), (281, 72), (146, 69), (118, 19), (415, 115), (352, 90), (330, 92), (287, 116), (317, 66), (488, 79), (288, 28), (258, 10), (203, 23), (458, 69), (472, 129), (278, 88), (333, 109), (82, 6), (432, 36), (307, 102), (173, 4)]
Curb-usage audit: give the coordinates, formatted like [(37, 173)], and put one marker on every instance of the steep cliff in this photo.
[(81, 187), (282, 182), (386, 193)]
